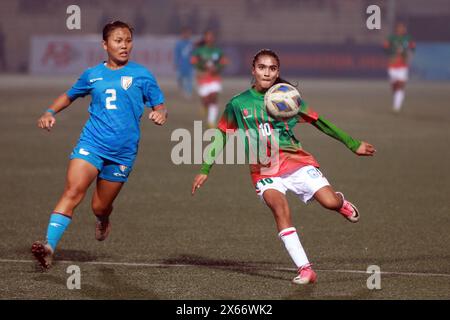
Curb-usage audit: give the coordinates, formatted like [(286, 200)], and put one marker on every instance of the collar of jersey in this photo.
[(113, 70), (256, 93)]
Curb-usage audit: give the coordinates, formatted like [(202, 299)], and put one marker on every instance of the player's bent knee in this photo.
[(100, 208), (281, 213), (74, 193), (272, 201), (278, 206)]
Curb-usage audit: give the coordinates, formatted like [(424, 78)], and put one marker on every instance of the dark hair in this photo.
[(202, 41), (265, 52), (110, 27), (270, 53)]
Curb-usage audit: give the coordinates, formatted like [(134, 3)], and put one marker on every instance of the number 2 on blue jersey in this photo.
[(109, 100)]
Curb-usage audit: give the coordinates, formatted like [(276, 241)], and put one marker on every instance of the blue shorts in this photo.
[(108, 169)]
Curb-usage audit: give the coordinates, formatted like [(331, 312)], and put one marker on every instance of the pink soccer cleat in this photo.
[(305, 275), (348, 210)]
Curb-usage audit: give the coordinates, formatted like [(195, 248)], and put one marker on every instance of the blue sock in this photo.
[(56, 227)]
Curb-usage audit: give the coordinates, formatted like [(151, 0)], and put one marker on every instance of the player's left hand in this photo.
[(366, 149), (158, 115)]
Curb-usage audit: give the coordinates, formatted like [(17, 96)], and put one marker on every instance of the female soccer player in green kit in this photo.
[(399, 47), (295, 169), (209, 61)]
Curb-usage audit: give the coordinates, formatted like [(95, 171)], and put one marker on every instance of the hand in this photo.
[(158, 116), (199, 180), (366, 149), (46, 121)]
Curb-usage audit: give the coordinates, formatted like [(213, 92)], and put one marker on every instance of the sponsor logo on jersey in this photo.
[(95, 79), (83, 152), (126, 82)]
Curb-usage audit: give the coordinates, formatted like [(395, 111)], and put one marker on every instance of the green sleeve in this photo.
[(330, 129), (214, 150), (196, 53), (220, 66)]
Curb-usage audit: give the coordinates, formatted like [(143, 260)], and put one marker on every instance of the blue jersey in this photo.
[(183, 51), (118, 100)]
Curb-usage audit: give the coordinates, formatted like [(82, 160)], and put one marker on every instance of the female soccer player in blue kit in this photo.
[(108, 144)]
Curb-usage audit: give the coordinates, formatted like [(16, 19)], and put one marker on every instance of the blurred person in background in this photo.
[(182, 60), (209, 61), (399, 47), (108, 145)]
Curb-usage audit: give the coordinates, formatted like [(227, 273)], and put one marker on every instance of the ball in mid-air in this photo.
[(282, 101)]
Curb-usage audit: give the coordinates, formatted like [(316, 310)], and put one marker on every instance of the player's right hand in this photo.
[(199, 180), (46, 121), (365, 149)]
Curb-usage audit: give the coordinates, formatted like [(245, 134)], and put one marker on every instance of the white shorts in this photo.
[(208, 88), (304, 183), (398, 74)]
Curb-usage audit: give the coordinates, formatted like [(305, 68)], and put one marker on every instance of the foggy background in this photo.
[(314, 38)]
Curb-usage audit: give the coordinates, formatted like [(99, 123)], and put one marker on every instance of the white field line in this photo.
[(254, 267)]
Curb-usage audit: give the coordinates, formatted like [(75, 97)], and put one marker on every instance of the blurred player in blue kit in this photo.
[(182, 60), (108, 145)]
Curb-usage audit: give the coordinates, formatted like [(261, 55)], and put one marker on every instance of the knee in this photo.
[(74, 193), (100, 208), (279, 208)]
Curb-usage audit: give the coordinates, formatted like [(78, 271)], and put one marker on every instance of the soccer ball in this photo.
[(282, 101)]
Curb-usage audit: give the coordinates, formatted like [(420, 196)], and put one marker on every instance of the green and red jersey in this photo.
[(398, 49), (209, 62), (246, 112)]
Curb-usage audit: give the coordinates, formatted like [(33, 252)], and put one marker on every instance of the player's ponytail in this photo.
[(281, 80)]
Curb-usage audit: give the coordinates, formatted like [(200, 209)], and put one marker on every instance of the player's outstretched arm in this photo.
[(199, 180), (158, 115), (213, 151), (48, 120), (365, 149)]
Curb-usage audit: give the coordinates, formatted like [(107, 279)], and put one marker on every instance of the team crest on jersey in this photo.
[(126, 82), (246, 114)]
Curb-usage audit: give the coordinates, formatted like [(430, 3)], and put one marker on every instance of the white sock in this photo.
[(399, 96), (294, 247), (213, 112)]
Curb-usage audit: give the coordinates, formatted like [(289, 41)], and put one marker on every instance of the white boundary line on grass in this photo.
[(170, 265)]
